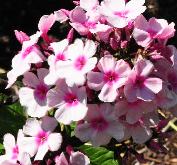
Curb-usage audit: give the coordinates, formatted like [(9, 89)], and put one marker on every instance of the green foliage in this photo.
[(1, 148), (99, 155), (12, 118)]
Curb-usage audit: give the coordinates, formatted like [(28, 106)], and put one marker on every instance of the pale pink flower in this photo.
[(139, 85), (33, 96), (80, 62), (146, 31), (71, 102), (100, 125), (113, 75), (87, 22), (59, 49), (119, 13), (133, 111), (140, 131), (41, 139), (76, 158), (21, 63), (13, 150)]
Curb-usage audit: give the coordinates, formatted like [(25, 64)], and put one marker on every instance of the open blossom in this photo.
[(80, 62), (33, 96), (146, 31), (21, 63), (113, 75), (13, 150), (76, 158), (40, 137), (140, 131), (139, 85), (69, 101), (100, 125), (119, 13), (133, 111), (59, 49)]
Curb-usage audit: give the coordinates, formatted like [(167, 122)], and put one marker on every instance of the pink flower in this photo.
[(21, 63), (71, 102), (54, 61), (76, 158), (80, 62), (146, 31), (140, 131), (33, 96), (87, 22), (100, 125), (133, 111), (119, 14), (13, 150), (41, 139), (113, 75), (139, 85)]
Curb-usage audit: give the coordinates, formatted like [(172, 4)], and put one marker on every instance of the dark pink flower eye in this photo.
[(110, 77), (99, 124), (71, 99), (80, 62)]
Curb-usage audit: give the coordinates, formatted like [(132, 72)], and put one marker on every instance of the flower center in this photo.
[(41, 91), (90, 25), (41, 137), (80, 62), (15, 152), (139, 81), (110, 77), (71, 99), (60, 57), (151, 32), (100, 124)]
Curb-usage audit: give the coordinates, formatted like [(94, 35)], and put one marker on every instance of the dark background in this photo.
[(24, 15)]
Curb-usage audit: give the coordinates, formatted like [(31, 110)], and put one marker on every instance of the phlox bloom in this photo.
[(139, 85), (21, 63), (14, 151), (119, 13), (69, 101), (40, 137), (80, 62), (33, 96), (100, 125), (113, 75), (59, 49), (146, 31)]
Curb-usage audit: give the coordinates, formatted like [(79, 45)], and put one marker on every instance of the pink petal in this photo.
[(81, 29), (95, 80), (145, 94), (88, 5), (30, 80), (42, 73), (46, 22), (154, 84), (61, 15), (21, 36), (32, 127), (54, 141), (108, 93), (48, 123), (89, 48), (9, 143), (130, 92), (107, 63), (61, 160), (42, 150)]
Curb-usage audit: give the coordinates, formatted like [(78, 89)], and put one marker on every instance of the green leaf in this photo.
[(1, 148), (12, 118), (70, 129), (99, 155)]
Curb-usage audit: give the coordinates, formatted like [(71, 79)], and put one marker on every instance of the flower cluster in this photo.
[(111, 81)]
